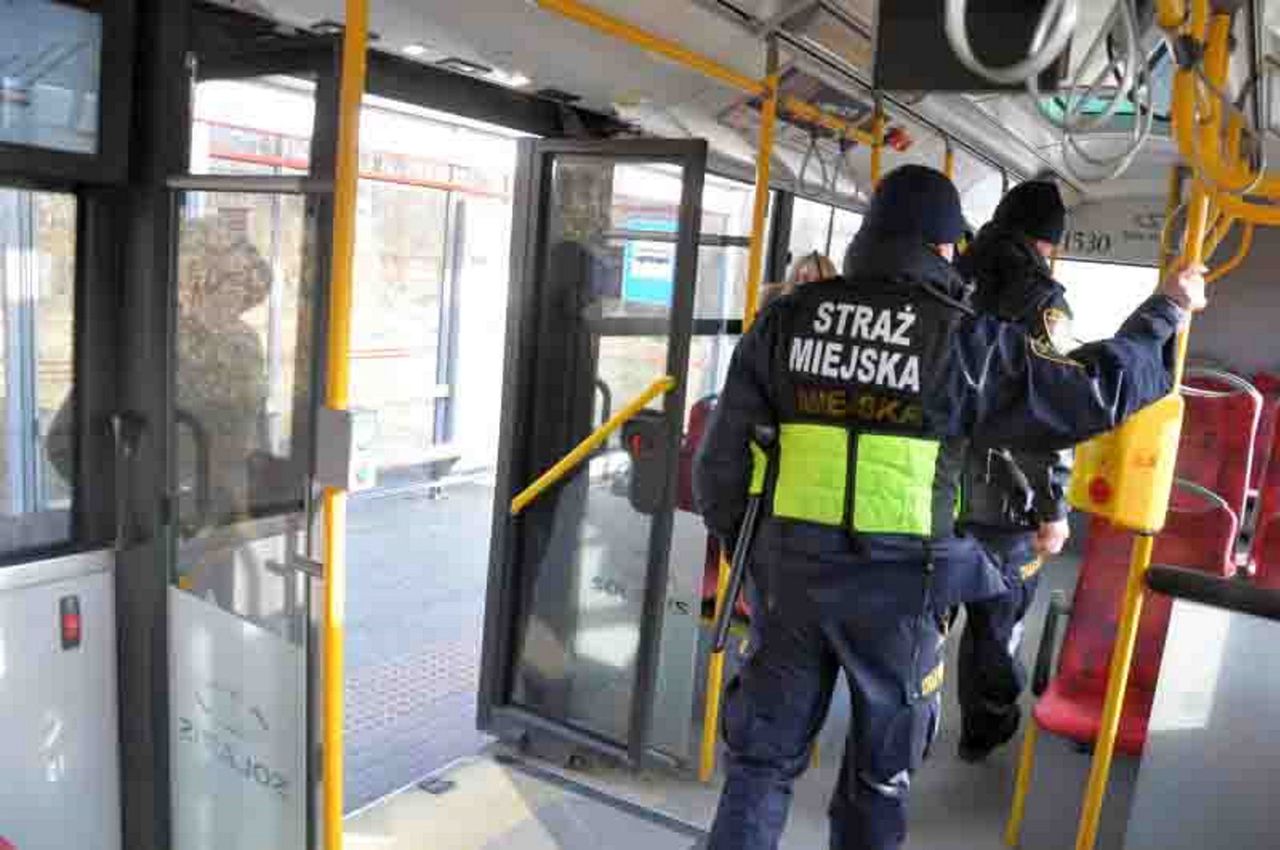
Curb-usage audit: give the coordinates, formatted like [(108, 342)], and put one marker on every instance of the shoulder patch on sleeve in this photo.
[(1057, 330), (1045, 350)]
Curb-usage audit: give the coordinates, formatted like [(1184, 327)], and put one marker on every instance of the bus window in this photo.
[(844, 226), (810, 229), (37, 317), (1102, 295)]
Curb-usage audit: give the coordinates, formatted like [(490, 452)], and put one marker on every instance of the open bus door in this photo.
[(590, 639)]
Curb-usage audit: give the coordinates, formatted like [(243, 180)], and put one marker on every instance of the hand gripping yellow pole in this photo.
[(354, 47), (755, 273)]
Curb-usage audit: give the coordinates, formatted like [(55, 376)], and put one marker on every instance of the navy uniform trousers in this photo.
[(991, 675), (777, 704)]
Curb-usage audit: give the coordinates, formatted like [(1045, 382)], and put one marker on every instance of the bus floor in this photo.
[(499, 802)]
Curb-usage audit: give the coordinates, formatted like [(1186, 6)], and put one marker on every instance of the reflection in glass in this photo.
[(37, 318), (586, 544), (241, 386), (50, 55)]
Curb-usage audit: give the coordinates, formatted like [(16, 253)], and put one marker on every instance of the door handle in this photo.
[(127, 429), (204, 465)]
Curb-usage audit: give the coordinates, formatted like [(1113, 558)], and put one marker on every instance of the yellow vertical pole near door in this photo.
[(1140, 559), (949, 162), (877, 143), (755, 274), (337, 380)]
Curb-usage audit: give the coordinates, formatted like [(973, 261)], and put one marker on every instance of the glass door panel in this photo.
[(239, 601), (606, 309)]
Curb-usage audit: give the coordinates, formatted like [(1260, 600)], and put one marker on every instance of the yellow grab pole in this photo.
[(760, 212), (1022, 786), (579, 453), (797, 108), (949, 162), (617, 28), (755, 274), (877, 144), (1170, 14), (354, 54), (1242, 251), (1139, 562), (1218, 234), (620, 29)]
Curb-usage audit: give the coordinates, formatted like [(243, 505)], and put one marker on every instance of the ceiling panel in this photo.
[(515, 36)]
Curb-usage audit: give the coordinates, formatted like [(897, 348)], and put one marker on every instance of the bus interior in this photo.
[(355, 354)]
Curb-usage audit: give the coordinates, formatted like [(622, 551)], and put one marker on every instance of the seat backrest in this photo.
[(1268, 384), (699, 419), (1266, 538), (1199, 534), (1219, 432), (1266, 551)]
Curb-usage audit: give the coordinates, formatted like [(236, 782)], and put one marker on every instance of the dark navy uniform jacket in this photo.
[(1012, 282), (995, 380)]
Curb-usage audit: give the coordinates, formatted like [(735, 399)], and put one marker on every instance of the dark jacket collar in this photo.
[(901, 262), (1012, 278)]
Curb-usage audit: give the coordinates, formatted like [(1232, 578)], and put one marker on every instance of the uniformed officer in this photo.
[(1014, 501), (872, 383)]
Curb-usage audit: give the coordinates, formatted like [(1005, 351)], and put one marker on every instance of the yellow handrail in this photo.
[(949, 162), (1218, 232), (678, 53), (337, 385), (755, 273), (1203, 153), (579, 453), (877, 144), (1242, 251), (1139, 563)]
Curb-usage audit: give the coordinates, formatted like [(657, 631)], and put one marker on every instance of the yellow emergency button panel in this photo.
[(1126, 475)]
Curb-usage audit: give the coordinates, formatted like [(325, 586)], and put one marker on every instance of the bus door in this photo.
[(585, 623), (251, 223)]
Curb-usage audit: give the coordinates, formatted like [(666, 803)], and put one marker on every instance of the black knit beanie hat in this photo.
[(916, 201), (1034, 208)]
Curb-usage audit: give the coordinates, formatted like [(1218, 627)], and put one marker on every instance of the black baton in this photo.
[(764, 438)]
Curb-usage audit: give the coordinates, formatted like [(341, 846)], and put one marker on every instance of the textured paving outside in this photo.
[(415, 608)]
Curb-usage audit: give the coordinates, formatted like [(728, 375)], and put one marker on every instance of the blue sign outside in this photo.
[(649, 268)]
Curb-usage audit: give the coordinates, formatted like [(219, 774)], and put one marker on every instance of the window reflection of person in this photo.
[(221, 374)]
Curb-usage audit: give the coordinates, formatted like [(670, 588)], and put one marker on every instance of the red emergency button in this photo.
[(1100, 490), (69, 620), (899, 139)]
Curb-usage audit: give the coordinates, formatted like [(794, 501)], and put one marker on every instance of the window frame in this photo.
[(109, 165)]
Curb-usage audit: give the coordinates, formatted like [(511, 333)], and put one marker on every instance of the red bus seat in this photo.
[(1219, 434), (1200, 534), (699, 419), (1268, 384), (1266, 538)]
